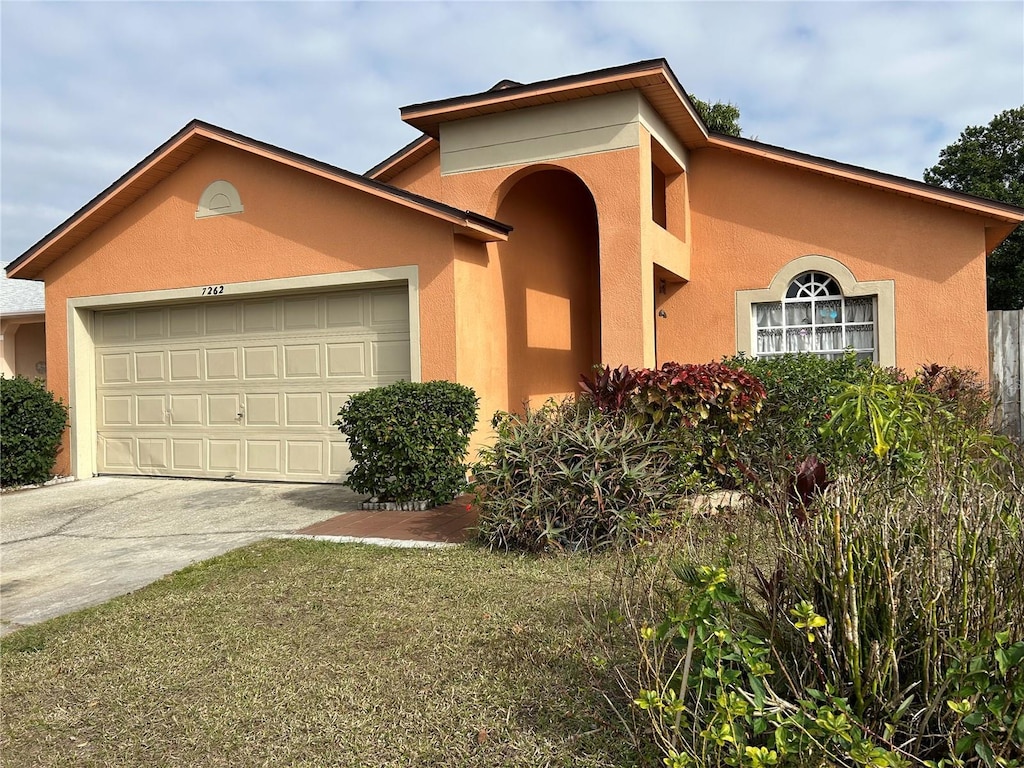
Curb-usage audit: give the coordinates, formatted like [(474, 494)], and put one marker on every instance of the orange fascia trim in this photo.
[(1003, 212), (404, 158), (185, 144), (654, 78)]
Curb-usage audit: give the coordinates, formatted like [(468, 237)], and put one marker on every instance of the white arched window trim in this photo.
[(884, 292), (219, 198)]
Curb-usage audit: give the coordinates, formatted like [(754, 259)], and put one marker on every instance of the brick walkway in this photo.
[(451, 523)]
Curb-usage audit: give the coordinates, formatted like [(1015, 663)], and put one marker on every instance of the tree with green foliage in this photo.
[(720, 117), (988, 161)]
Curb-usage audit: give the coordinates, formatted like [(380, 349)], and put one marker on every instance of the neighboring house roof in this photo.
[(655, 79), (188, 142), (21, 297)]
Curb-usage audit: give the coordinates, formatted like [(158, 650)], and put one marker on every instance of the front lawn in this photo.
[(305, 653)]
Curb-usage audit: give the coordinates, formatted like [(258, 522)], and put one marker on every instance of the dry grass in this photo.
[(301, 653)]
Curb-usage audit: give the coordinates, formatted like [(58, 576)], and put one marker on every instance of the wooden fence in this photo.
[(1006, 370)]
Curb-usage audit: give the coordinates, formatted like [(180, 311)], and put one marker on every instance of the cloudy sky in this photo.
[(89, 88)]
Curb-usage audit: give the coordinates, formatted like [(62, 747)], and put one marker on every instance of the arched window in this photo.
[(814, 316)]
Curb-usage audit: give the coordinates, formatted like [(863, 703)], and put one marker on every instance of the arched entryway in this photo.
[(551, 284)]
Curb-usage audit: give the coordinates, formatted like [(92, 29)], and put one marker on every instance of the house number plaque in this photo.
[(213, 290)]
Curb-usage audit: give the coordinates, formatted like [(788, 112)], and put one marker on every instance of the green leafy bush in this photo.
[(797, 389), (409, 440), (567, 476), (32, 424)]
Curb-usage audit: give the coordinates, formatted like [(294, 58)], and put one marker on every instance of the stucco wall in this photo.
[(30, 351), (24, 348), (613, 179), (294, 224), (751, 216), (423, 178)]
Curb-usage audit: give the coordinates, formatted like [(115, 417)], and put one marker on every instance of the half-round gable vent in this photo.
[(219, 198)]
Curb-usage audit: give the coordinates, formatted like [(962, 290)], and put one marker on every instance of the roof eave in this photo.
[(649, 77), (394, 164), (993, 209)]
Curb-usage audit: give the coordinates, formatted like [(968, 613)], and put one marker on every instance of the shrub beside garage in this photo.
[(32, 422)]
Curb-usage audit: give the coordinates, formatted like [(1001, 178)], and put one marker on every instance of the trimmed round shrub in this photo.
[(409, 440), (32, 423)]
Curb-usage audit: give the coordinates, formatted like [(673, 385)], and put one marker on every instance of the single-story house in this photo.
[(22, 329), (209, 312)]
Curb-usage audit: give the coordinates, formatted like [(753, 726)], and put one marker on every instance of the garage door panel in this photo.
[(301, 361), (115, 327), (390, 358), (304, 457), (259, 362), (263, 409), (225, 455), (263, 456), (222, 364), (115, 368), (149, 324), (150, 366), (221, 318), (340, 459), (187, 455), (347, 359), (345, 311), (389, 309), (303, 409), (186, 410), (184, 322), (243, 388), (150, 410), (116, 410), (185, 365), (117, 454), (259, 316), (302, 314), (223, 409), (153, 453)]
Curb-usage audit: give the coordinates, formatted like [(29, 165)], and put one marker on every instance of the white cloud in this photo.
[(88, 89)]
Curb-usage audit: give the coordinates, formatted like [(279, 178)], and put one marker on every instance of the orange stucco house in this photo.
[(208, 313)]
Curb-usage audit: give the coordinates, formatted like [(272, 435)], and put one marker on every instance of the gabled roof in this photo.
[(653, 78), (658, 84), (188, 142)]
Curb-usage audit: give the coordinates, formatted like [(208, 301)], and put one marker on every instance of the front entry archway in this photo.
[(551, 283)]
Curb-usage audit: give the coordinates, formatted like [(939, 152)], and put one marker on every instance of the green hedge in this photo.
[(32, 423), (409, 440)]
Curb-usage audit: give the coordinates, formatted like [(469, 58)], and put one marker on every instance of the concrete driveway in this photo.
[(76, 544)]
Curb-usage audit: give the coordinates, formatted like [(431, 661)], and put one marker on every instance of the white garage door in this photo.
[(242, 388)]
